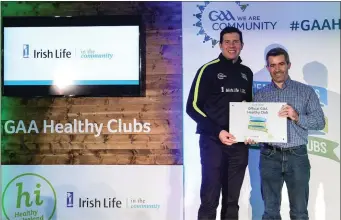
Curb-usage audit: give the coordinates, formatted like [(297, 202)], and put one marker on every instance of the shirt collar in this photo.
[(285, 84)]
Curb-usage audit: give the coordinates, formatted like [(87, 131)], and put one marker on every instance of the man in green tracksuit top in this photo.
[(216, 84)]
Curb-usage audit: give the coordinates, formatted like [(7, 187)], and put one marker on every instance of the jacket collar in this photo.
[(227, 61)]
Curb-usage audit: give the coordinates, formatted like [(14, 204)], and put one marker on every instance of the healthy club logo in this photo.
[(215, 16), (29, 196)]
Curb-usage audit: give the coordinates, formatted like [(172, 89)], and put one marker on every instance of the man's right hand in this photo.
[(227, 138), (250, 142)]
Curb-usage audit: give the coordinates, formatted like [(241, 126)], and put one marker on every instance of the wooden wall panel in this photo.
[(162, 106)]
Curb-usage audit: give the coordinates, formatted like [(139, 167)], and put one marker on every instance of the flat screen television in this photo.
[(92, 56)]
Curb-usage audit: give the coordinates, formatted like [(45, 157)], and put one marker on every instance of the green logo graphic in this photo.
[(242, 6), (257, 124), (317, 146), (29, 196), (322, 147)]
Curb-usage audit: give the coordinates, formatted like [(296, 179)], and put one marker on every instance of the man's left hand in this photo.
[(288, 112)]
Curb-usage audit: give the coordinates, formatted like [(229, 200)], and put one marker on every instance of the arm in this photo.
[(257, 97), (250, 87), (199, 92), (314, 117)]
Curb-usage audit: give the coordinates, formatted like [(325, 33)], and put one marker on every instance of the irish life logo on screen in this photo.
[(26, 51)]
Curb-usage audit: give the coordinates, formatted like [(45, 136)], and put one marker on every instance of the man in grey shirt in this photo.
[(289, 161)]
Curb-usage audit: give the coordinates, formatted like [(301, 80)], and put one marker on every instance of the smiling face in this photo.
[(279, 69), (231, 46)]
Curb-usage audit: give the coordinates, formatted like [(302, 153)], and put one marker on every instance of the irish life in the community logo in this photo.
[(29, 196), (213, 17)]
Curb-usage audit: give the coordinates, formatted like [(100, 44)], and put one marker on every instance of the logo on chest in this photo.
[(221, 76), (232, 90), (244, 76)]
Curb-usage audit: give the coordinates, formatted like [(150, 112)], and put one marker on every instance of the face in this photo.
[(278, 68), (231, 46)]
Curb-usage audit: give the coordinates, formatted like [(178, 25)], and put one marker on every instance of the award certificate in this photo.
[(258, 121)]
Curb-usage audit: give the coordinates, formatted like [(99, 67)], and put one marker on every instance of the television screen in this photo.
[(73, 56)]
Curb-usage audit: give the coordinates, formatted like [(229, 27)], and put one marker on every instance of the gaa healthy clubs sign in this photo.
[(77, 126)]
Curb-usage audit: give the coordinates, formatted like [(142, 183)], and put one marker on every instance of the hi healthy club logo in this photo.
[(29, 196), (215, 16)]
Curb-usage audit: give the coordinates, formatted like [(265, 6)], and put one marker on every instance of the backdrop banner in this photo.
[(92, 192), (310, 32)]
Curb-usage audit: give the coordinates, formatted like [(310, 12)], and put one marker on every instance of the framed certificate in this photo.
[(258, 121)]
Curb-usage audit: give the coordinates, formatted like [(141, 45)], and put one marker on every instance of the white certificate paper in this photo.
[(258, 121)]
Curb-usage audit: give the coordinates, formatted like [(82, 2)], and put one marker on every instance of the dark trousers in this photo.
[(291, 166), (223, 170)]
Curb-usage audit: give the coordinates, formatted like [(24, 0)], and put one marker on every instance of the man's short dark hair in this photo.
[(277, 52), (228, 30)]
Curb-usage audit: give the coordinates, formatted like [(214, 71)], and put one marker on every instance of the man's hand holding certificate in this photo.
[(288, 112), (260, 122)]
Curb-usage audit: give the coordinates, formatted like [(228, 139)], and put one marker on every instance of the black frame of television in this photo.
[(78, 90)]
